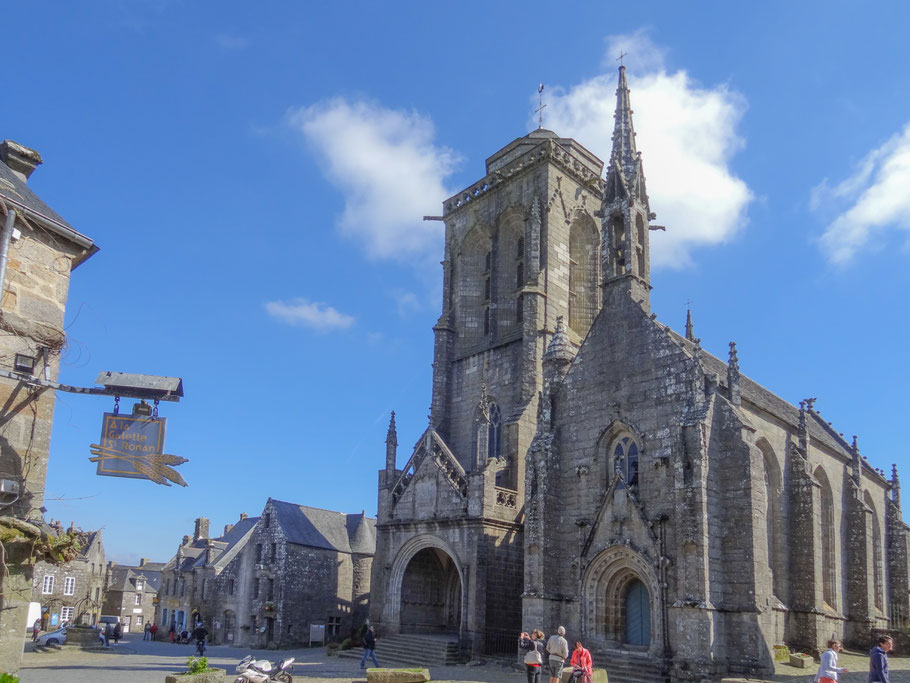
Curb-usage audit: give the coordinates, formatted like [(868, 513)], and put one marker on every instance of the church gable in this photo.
[(620, 520), (433, 483)]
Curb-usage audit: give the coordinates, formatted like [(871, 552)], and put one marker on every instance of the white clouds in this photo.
[(389, 169), (304, 313), (687, 135), (875, 198)]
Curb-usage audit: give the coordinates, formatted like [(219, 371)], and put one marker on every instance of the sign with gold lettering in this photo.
[(132, 446)]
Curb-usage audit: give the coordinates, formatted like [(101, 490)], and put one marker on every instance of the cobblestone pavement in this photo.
[(138, 661)]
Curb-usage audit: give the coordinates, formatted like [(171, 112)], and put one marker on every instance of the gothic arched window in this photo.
[(625, 459), (584, 243), (494, 435), (829, 577), (877, 560)]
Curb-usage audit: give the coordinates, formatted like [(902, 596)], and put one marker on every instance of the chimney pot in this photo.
[(20, 159), (243, 515)]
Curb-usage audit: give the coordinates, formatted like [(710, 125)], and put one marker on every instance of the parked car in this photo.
[(57, 637)]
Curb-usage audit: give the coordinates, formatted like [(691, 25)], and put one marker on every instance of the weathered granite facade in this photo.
[(43, 251), (673, 509), (73, 591), (268, 578), (132, 593)]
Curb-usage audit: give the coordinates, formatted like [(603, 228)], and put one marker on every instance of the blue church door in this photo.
[(638, 615)]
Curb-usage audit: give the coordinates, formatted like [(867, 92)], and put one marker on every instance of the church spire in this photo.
[(625, 213), (690, 330), (391, 444), (624, 152)]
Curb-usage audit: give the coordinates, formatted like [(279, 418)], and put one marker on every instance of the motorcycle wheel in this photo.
[(284, 677), (240, 679)]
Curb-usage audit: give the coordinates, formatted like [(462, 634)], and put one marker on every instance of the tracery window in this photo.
[(829, 577), (494, 436), (625, 459)]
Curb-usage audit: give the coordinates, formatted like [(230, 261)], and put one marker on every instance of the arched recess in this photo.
[(472, 286), (617, 579), (828, 531), (619, 450), (487, 432), (508, 269), (229, 621), (878, 566), (775, 520), (584, 243), (451, 588)]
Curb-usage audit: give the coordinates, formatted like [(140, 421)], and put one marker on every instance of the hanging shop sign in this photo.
[(133, 446)]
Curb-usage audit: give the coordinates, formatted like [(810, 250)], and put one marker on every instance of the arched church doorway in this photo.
[(637, 614), (430, 594)]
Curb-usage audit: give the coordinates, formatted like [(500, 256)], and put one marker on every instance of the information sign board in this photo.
[(133, 446)]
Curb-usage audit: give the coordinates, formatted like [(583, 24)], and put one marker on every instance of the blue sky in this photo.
[(249, 174)]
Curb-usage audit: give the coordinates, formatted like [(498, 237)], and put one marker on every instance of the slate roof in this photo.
[(123, 578), (194, 553), (316, 528), (17, 192), (771, 403)]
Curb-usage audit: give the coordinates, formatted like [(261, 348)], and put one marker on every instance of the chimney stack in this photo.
[(243, 516), (143, 561), (202, 529), (227, 528), (20, 159)]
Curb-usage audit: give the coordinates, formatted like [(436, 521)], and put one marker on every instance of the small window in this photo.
[(494, 436), (259, 552), (519, 310), (48, 585), (488, 261), (139, 585), (274, 553), (486, 289), (271, 593), (138, 620), (67, 613), (230, 586), (268, 519), (255, 588), (486, 322), (520, 275), (333, 626), (69, 585)]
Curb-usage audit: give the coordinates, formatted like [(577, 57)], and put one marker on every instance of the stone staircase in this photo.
[(411, 650), (625, 667)]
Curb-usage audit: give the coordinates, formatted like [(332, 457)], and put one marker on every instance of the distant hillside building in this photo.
[(586, 465), (74, 591), (267, 579), (132, 593)]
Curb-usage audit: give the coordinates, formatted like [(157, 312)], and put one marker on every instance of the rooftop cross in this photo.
[(541, 106), (621, 55)]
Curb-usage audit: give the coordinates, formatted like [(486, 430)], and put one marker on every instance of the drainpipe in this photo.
[(5, 238)]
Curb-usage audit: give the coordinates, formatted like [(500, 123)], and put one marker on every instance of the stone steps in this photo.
[(411, 650), (629, 668)]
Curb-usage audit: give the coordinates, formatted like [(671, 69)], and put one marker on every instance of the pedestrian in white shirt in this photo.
[(827, 667)]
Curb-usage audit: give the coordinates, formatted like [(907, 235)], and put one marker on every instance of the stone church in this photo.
[(586, 465)]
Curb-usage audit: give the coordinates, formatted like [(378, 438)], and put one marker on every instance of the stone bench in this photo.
[(398, 675)]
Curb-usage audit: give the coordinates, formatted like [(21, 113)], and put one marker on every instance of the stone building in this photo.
[(43, 250), (73, 591), (132, 593), (586, 465), (267, 579)]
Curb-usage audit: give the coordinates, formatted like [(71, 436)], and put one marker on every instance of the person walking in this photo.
[(557, 651), (148, 631), (878, 660), (154, 631), (172, 631), (369, 648), (534, 658), (36, 629), (118, 633), (108, 634), (827, 666)]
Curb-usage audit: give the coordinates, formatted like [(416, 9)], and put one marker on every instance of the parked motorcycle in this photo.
[(262, 670)]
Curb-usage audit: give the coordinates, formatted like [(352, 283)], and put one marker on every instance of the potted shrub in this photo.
[(197, 671)]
